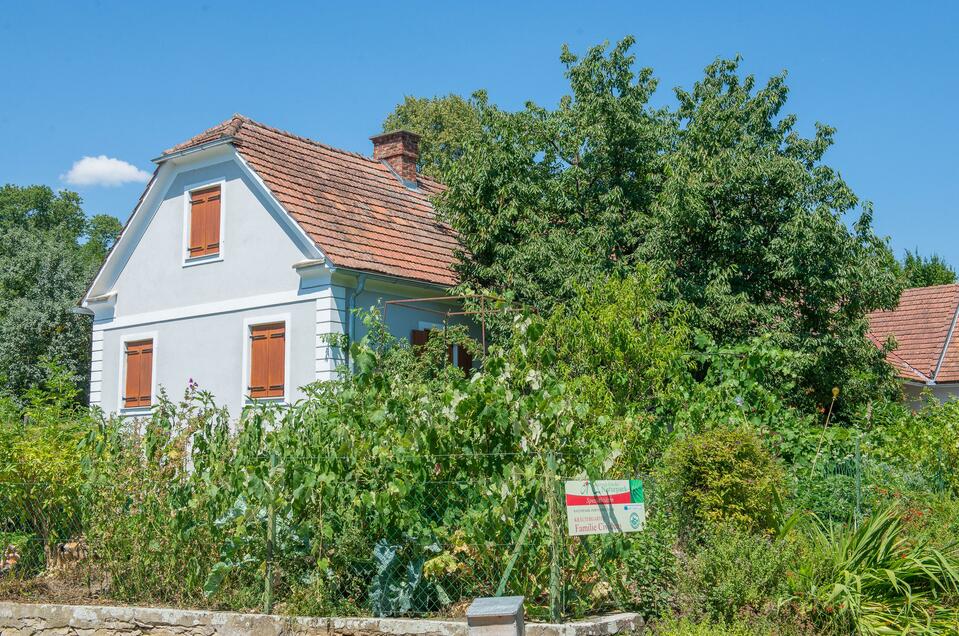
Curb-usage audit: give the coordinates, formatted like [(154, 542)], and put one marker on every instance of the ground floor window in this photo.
[(267, 360), (456, 354), (138, 387)]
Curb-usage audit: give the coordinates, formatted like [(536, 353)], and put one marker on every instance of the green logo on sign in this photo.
[(634, 520)]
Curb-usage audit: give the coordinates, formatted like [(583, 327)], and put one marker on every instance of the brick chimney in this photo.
[(400, 149)]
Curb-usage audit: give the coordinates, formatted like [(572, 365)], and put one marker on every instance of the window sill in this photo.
[(135, 411), (250, 401), (202, 260)]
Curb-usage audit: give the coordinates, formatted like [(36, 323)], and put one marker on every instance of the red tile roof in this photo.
[(355, 208), (923, 326)]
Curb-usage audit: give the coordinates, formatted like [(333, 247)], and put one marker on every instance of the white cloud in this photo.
[(104, 171)]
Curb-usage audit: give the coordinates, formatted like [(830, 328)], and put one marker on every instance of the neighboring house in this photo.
[(250, 245), (923, 325)]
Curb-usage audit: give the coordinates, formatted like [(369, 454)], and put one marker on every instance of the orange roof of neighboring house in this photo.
[(923, 326), (354, 207)]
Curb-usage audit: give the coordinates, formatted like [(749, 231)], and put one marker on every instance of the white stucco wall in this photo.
[(198, 314), (211, 350), (257, 253)]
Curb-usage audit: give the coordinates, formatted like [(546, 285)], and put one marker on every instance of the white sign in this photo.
[(605, 506)]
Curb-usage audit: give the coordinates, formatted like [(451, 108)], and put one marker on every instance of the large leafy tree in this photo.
[(444, 123), (721, 194), (750, 228), (919, 271), (49, 250), (547, 199)]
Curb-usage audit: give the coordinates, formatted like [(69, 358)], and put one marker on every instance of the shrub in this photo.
[(40, 472), (721, 476), (926, 441), (735, 574), (746, 627), (400, 488)]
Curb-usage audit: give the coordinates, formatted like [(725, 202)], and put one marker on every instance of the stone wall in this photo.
[(23, 619)]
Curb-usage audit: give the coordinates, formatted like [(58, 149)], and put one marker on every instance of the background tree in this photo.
[(445, 123), (720, 194), (918, 271), (545, 200), (750, 229), (49, 251)]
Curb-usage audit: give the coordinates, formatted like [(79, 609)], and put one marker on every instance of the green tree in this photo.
[(444, 123), (545, 200), (918, 271), (750, 228), (49, 251), (721, 194)]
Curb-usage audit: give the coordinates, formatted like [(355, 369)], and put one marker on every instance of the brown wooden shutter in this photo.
[(205, 222), (464, 360), (418, 338), (267, 360), (139, 381)]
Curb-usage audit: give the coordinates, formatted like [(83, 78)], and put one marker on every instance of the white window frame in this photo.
[(188, 191), (122, 376), (248, 324)]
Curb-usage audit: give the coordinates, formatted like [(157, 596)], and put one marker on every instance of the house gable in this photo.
[(149, 271)]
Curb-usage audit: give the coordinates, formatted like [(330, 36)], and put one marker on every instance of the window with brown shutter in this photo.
[(205, 222), (464, 360), (418, 337), (267, 360), (138, 391)]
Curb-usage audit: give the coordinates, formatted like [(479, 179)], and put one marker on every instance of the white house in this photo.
[(250, 244)]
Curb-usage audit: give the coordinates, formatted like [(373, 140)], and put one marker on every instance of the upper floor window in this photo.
[(204, 222)]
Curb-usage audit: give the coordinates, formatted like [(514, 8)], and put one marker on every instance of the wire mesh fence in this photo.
[(385, 546), (41, 530)]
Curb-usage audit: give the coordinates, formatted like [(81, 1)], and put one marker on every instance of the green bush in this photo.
[(650, 568), (734, 574), (40, 466), (926, 441), (721, 476), (400, 488)]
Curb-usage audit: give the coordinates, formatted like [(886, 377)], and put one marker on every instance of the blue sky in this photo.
[(126, 80)]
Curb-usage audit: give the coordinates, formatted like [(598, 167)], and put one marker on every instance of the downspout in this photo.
[(351, 316)]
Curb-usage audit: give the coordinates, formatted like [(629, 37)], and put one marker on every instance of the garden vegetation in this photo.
[(695, 317)]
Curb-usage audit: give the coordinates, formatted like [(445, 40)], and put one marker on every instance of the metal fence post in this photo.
[(556, 539), (858, 479), (268, 580)]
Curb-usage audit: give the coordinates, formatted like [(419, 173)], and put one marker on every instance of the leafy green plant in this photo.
[(721, 476), (878, 579), (735, 573), (743, 627)]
